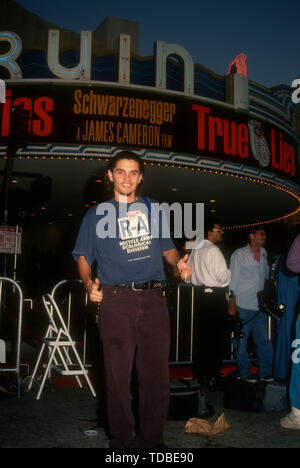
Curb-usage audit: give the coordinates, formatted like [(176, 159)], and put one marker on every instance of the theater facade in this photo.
[(226, 141)]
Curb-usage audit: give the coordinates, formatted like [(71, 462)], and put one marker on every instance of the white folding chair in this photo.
[(60, 348)]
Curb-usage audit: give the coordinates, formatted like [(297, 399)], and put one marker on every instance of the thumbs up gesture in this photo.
[(95, 294), (184, 269)]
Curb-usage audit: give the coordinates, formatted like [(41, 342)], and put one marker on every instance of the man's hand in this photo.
[(184, 269), (94, 293), (232, 307)]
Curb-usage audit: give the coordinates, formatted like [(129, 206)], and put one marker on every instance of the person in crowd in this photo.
[(133, 320), (249, 270), (288, 290), (292, 420), (210, 277)]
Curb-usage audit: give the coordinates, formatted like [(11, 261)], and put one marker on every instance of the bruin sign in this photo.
[(103, 115), (83, 70)]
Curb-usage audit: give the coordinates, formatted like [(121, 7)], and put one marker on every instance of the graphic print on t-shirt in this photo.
[(134, 232)]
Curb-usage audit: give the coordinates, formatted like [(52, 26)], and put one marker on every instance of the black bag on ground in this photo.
[(275, 397), (187, 400), (243, 396)]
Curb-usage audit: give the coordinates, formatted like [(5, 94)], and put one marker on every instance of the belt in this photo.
[(212, 289), (142, 286)]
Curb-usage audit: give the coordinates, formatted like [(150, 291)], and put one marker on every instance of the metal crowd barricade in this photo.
[(181, 353), (15, 369), (182, 325)]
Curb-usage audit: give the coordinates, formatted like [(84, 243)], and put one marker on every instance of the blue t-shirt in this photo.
[(125, 240)]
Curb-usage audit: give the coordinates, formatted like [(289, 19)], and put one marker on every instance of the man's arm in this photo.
[(235, 275), (217, 264), (92, 287), (232, 308), (173, 258)]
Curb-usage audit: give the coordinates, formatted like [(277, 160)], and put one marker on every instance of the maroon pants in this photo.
[(135, 324)]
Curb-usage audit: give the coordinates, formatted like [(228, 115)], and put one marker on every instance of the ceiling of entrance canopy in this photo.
[(76, 184)]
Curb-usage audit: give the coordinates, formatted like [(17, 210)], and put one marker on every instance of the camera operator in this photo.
[(249, 270)]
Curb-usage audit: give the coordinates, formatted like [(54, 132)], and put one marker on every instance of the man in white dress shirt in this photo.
[(211, 278)]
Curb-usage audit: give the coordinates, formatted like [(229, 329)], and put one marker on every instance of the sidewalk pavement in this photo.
[(61, 418)]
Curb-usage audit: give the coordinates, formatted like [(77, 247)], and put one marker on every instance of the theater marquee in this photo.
[(110, 116)]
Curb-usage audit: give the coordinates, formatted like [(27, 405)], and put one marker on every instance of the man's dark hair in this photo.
[(209, 224), (253, 230), (126, 154)]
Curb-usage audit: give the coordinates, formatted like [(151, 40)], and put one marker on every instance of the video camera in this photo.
[(235, 326), (269, 306)]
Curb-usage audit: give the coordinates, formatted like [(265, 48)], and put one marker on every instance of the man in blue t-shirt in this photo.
[(127, 241)]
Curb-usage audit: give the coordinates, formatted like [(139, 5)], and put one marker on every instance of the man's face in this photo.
[(216, 235), (126, 177), (259, 237)]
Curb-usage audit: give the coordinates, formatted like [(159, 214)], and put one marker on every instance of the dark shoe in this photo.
[(267, 378), (251, 378)]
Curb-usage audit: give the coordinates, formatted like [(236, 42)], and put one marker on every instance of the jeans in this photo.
[(135, 330), (254, 322)]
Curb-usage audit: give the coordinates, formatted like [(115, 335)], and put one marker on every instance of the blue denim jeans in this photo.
[(254, 322)]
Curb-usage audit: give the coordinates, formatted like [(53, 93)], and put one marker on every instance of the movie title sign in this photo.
[(108, 116)]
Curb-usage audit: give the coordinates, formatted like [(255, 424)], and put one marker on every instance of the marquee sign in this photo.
[(110, 116)]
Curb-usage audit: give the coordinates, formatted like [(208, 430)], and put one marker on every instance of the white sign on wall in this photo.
[(10, 240)]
